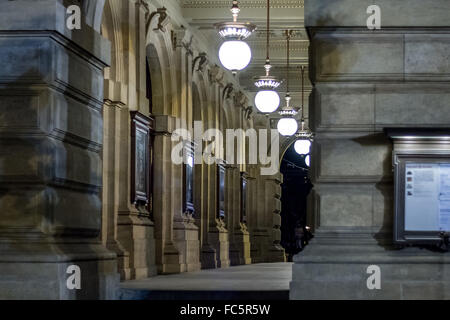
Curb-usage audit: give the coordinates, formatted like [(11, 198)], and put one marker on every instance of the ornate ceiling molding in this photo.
[(277, 46), (280, 4)]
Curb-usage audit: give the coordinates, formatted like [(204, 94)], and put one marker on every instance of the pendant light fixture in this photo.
[(267, 99), (287, 125), (305, 136), (234, 53)]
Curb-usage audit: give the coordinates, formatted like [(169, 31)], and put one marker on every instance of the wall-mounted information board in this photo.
[(421, 160), (427, 197)]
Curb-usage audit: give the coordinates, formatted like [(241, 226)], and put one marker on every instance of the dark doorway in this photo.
[(295, 189)]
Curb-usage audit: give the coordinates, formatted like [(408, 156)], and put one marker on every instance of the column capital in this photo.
[(164, 125)]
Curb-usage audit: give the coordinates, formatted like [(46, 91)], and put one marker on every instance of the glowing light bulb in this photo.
[(235, 55), (308, 160), (302, 146), (287, 126), (267, 101)]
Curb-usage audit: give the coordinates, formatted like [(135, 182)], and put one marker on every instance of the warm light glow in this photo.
[(308, 160), (235, 55), (302, 146), (267, 101), (287, 126)]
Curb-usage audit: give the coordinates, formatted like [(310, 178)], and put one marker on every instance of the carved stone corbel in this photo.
[(202, 58), (226, 93), (240, 99), (163, 19), (178, 38), (248, 112), (216, 75), (188, 46)]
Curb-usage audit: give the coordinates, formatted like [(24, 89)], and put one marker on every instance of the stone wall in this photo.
[(51, 96), (366, 81)]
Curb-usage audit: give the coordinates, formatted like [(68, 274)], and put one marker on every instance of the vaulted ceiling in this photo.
[(285, 14)]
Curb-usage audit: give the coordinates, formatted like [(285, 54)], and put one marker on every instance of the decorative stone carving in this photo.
[(162, 21), (216, 75), (240, 99), (202, 58), (182, 39), (227, 91), (248, 111)]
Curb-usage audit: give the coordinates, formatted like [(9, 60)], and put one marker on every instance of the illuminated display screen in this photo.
[(427, 197)]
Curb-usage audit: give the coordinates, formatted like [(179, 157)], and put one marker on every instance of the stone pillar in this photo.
[(217, 230), (275, 252), (366, 81), (187, 241), (168, 257), (135, 229), (265, 219), (112, 164), (51, 97), (258, 234), (186, 237), (186, 232), (208, 253), (239, 235)]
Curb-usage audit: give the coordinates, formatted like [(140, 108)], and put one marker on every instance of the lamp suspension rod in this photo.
[(268, 30), (303, 92), (288, 38), (235, 10)]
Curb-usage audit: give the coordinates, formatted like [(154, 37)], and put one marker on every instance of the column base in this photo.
[(171, 261), (187, 242), (135, 233), (220, 242), (340, 272), (263, 250), (240, 248), (38, 271), (259, 241), (276, 253), (123, 259), (208, 257)]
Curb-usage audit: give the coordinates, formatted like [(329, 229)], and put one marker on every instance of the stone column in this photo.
[(208, 256), (186, 237), (275, 252), (135, 229), (258, 234), (265, 219), (168, 257), (366, 81), (186, 232), (112, 162), (239, 235), (51, 97), (217, 229)]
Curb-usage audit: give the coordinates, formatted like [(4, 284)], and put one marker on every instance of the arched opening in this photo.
[(296, 187), (154, 76)]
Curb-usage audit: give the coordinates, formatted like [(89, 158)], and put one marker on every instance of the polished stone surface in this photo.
[(266, 280)]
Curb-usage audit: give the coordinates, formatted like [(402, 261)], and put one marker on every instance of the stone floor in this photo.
[(250, 282)]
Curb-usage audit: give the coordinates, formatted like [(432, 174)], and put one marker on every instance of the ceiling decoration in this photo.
[(280, 4)]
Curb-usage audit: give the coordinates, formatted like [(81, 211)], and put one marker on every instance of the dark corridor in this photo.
[(295, 189)]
